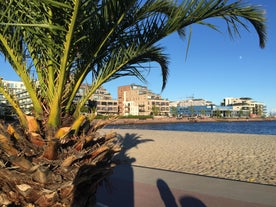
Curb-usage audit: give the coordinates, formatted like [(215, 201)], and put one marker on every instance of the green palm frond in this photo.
[(53, 45), (66, 40), (234, 15)]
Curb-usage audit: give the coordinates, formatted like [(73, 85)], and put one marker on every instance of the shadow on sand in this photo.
[(120, 191)]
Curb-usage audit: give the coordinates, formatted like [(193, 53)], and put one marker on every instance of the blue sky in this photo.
[(216, 67)]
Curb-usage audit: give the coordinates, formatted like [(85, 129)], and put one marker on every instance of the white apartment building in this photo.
[(104, 102), (12, 87), (245, 106), (25, 101)]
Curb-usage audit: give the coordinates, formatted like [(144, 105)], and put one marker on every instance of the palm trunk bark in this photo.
[(70, 178)]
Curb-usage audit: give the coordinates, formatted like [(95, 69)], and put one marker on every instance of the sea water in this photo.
[(244, 127)]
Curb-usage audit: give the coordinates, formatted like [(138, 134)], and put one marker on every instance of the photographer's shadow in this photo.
[(169, 199), (119, 191)]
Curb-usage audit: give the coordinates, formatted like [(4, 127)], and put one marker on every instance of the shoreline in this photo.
[(242, 157), (186, 120)]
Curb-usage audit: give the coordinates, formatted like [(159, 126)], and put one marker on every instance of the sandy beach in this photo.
[(244, 157)]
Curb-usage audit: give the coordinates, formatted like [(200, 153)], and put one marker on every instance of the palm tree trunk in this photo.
[(70, 178)]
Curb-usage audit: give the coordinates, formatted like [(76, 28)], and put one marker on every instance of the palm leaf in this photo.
[(58, 43)]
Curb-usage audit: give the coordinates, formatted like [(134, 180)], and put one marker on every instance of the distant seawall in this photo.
[(175, 120)]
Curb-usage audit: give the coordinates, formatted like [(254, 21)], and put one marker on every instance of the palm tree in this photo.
[(56, 156)]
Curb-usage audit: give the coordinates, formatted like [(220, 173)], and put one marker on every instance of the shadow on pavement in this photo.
[(165, 193), (121, 189), (169, 199), (189, 201)]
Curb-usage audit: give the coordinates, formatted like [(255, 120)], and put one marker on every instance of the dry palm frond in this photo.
[(59, 42), (48, 173)]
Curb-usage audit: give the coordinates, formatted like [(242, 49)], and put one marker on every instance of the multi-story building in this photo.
[(101, 100), (244, 106), (12, 87), (25, 101), (104, 102), (138, 100), (195, 107)]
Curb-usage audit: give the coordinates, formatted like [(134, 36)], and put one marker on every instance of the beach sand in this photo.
[(245, 157)]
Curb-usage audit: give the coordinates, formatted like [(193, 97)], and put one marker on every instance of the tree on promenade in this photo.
[(56, 156)]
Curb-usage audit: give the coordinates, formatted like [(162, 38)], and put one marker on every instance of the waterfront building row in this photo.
[(230, 107), (135, 99)]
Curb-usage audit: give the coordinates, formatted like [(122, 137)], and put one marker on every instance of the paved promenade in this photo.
[(144, 187)]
